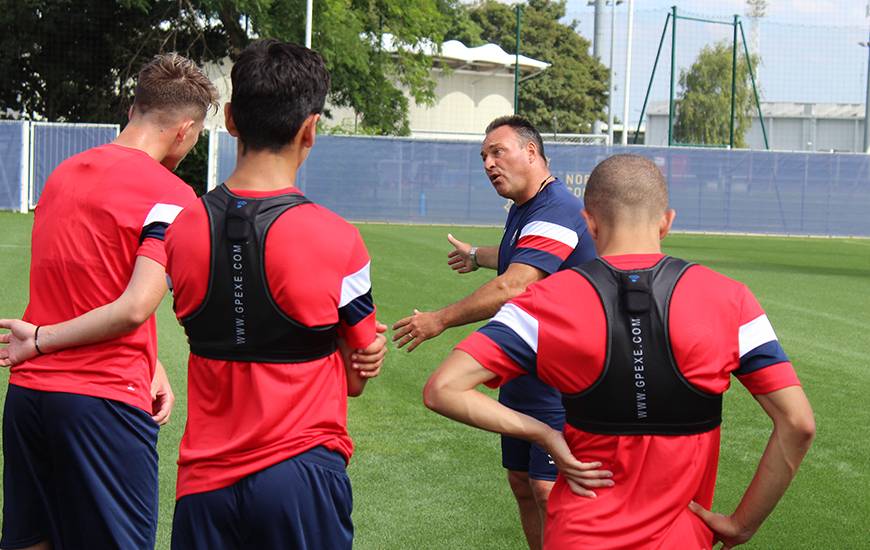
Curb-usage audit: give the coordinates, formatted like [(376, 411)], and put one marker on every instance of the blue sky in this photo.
[(809, 48)]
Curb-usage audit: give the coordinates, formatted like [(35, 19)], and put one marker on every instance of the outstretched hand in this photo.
[(20, 344), (417, 328), (725, 528), (459, 259), (582, 477)]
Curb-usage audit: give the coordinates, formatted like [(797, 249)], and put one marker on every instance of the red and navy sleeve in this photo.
[(764, 366), (547, 238), (508, 344), (356, 308), (158, 219)]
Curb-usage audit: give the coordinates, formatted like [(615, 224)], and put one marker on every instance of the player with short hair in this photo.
[(80, 425), (642, 347), (268, 285), (544, 233)]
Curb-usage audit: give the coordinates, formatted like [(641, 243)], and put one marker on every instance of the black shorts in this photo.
[(78, 471), (302, 503), (520, 455)]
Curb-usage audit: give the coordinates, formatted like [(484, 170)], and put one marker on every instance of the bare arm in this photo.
[(451, 391), (481, 304), (487, 256), (793, 432), (143, 294), (362, 364)]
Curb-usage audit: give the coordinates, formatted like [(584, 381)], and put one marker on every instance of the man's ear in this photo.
[(309, 131), (590, 223), (532, 150), (228, 120), (183, 129), (666, 222), (130, 113)]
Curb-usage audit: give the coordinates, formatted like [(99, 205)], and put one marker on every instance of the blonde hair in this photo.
[(171, 82)]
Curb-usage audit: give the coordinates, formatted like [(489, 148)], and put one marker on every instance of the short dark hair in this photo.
[(172, 82), (626, 188), (523, 127), (276, 86)]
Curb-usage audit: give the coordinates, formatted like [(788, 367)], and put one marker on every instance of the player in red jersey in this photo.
[(80, 425), (642, 347), (269, 286), (300, 413)]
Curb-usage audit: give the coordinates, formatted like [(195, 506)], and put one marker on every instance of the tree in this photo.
[(703, 110), (74, 60), (365, 76), (569, 95)]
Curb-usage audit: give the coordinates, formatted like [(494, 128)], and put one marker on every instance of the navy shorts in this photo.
[(302, 503), (78, 471), (520, 455)]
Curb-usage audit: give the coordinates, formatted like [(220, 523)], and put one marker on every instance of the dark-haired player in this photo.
[(268, 285), (642, 347), (544, 233), (80, 426)]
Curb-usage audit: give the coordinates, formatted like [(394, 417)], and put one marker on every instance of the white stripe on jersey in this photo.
[(755, 333), (355, 285), (551, 231), (163, 213), (523, 324)]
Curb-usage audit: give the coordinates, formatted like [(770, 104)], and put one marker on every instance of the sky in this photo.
[(809, 48)]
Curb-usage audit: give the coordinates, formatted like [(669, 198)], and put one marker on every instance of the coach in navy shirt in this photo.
[(544, 233)]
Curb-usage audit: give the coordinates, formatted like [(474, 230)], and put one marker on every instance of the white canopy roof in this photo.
[(458, 55)]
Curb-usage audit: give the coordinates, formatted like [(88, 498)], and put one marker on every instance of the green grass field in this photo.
[(421, 481)]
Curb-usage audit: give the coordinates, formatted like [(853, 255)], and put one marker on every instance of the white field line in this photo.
[(819, 314)]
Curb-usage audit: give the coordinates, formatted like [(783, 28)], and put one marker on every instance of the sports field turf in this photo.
[(423, 482)]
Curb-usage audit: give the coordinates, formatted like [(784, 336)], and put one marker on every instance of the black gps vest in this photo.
[(640, 390), (238, 319)]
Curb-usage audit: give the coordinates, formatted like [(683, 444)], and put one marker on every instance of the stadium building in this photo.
[(472, 87), (820, 127)]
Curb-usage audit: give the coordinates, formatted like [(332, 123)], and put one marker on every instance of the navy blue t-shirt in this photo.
[(549, 233)]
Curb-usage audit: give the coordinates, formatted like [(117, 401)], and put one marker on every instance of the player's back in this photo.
[(717, 329), (558, 329), (95, 215), (244, 416)]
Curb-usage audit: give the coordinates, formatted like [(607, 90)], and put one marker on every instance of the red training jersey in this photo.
[(557, 330), (243, 417), (99, 210)]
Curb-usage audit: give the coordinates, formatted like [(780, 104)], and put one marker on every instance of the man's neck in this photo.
[(619, 243), (264, 170), (144, 137), (536, 181)]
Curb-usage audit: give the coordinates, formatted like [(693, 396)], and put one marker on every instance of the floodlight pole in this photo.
[(517, 64), (733, 83), (309, 17), (598, 39), (627, 85), (867, 99), (673, 75), (610, 91)]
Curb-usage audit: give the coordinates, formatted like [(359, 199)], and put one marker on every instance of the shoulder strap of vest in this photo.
[(240, 214)]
